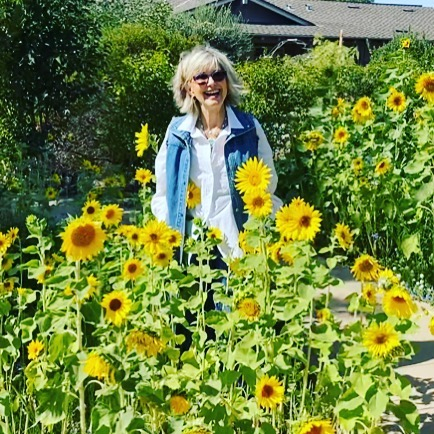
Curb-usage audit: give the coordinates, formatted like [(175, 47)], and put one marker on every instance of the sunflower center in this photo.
[(381, 339), (305, 221), (267, 391), (398, 299), (110, 214), (382, 164), (115, 304), (83, 235), (315, 430), (162, 256), (172, 239), (153, 237), (254, 179), (258, 202), (132, 268), (190, 195), (90, 210), (135, 237), (397, 100), (366, 266), (429, 85)]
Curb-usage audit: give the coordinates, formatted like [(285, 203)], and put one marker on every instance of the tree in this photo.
[(49, 50)]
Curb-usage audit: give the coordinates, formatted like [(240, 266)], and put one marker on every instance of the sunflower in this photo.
[(323, 315), (269, 392), (254, 174), (178, 404), (366, 268), (51, 193), (117, 306), (6, 263), (425, 86), (369, 293), (339, 108), (91, 209), (431, 326), (405, 43), (175, 238), (380, 339), (215, 234), (13, 234), (317, 427), (398, 302), (155, 235), (299, 221), (279, 252), (341, 135), (249, 308), (111, 215), (383, 166), (144, 343), (82, 239), (144, 176), (193, 195), (357, 164), (258, 203), (96, 366), (8, 285), (162, 256), (362, 110), (5, 243), (132, 233), (34, 349), (344, 235), (133, 268), (387, 278), (312, 140), (396, 101), (244, 245), (142, 140), (92, 286)]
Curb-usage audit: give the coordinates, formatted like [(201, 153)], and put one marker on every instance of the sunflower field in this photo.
[(370, 165), (105, 330)]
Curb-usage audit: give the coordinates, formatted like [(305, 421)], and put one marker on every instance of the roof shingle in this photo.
[(356, 20)]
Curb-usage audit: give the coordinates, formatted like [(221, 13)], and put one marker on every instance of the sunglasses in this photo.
[(203, 78)]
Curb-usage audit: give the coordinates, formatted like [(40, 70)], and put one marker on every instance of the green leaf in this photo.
[(378, 403), (249, 376), (61, 344), (425, 192), (229, 377), (52, 405), (5, 307), (411, 244)]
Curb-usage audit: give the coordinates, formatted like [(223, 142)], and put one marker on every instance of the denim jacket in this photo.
[(241, 145)]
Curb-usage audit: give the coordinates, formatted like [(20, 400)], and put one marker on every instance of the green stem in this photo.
[(81, 395), (307, 367)]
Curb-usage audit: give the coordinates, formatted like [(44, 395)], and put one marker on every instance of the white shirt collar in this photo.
[(189, 123)]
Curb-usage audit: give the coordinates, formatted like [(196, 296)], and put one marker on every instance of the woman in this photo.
[(205, 147)]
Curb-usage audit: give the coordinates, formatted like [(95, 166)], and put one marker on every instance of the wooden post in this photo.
[(341, 37)]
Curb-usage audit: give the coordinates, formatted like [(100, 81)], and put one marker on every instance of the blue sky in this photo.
[(429, 3)]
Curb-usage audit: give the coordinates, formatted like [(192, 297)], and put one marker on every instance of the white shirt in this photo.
[(208, 172)]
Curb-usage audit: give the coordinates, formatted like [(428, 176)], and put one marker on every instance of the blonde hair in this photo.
[(200, 58)]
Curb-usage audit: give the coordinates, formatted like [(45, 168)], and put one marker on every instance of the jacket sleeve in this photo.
[(159, 200), (266, 154)]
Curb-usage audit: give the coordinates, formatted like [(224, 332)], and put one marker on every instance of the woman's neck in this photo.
[(212, 119)]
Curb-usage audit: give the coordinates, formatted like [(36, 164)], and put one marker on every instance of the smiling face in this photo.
[(209, 93)]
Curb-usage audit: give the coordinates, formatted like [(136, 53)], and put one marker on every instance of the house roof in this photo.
[(356, 20)]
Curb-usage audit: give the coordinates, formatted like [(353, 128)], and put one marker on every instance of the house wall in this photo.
[(254, 14)]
